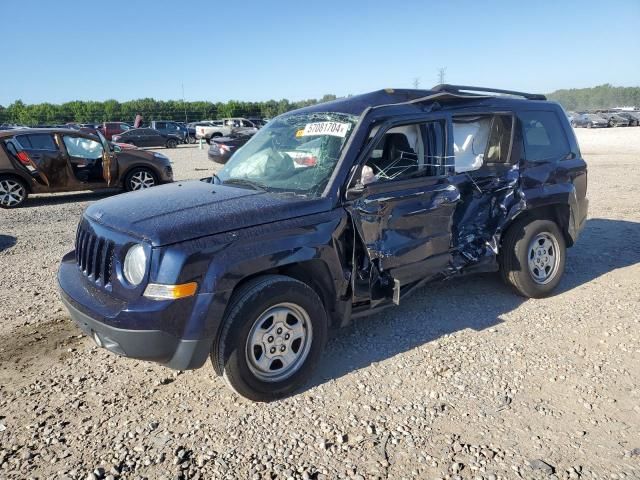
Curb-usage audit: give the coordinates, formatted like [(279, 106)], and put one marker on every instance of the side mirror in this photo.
[(117, 149)]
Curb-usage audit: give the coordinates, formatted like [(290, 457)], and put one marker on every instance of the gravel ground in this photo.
[(463, 380)]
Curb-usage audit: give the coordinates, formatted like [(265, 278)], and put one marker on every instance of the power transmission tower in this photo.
[(416, 83), (441, 74)]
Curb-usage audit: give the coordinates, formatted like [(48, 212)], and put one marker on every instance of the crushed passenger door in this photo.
[(403, 215)]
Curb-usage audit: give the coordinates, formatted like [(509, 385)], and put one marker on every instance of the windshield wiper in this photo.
[(247, 182)]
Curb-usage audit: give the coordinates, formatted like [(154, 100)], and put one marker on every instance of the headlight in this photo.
[(135, 264)]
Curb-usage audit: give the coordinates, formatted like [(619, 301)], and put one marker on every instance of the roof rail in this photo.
[(443, 87)]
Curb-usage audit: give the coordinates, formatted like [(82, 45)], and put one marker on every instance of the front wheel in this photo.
[(272, 338), (139, 179), (172, 143), (532, 257)]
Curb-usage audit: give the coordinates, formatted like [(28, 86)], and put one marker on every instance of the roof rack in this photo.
[(443, 87)]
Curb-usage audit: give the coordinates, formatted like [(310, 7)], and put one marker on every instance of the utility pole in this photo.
[(441, 74), (416, 83), (186, 120)]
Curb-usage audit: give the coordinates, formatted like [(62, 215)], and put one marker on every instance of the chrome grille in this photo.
[(94, 256)]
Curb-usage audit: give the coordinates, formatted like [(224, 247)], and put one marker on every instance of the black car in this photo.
[(329, 213), (614, 119), (221, 148), (632, 117), (589, 120), (148, 137)]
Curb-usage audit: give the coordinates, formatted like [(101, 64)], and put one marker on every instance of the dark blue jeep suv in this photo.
[(328, 213)]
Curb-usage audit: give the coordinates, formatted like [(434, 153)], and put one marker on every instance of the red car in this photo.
[(109, 129)]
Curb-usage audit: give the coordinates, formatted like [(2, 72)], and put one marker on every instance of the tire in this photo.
[(13, 192), (251, 324), (532, 257), (573, 124), (140, 178), (190, 140), (171, 143)]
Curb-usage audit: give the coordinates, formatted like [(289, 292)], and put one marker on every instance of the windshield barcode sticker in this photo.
[(335, 129)]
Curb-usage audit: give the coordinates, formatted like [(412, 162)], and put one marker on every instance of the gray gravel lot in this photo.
[(463, 380)]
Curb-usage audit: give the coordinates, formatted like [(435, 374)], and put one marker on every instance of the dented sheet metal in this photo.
[(423, 231)]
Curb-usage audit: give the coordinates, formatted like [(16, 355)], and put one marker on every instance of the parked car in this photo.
[(211, 129), (632, 117), (589, 120), (123, 146), (191, 132), (109, 129), (254, 267), (221, 148), (224, 127), (257, 122), (65, 160), (614, 119), (167, 127), (148, 137)]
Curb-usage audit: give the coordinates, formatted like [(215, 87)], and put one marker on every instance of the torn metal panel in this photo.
[(487, 205), (423, 231)]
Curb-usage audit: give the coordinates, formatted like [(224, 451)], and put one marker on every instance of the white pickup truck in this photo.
[(209, 129)]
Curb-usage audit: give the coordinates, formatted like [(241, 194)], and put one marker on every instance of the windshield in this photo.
[(296, 153)]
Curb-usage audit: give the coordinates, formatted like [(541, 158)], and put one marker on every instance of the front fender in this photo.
[(235, 256)]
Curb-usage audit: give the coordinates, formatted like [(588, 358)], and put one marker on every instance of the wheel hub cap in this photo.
[(142, 180), (279, 342), (11, 193), (543, 257)]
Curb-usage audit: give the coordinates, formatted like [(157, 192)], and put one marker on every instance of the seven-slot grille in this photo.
[(94, 256)]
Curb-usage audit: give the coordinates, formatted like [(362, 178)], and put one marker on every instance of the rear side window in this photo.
[(160, 125), (38, 141), (480, 140), (544, 137)]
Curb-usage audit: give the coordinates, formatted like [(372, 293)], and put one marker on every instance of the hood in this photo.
[(187, 210)]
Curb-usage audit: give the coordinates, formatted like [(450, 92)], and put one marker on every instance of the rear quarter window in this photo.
[(38, 141), (544, 137)]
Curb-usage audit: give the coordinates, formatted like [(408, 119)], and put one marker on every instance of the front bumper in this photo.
[(151, 345), (170, 333)]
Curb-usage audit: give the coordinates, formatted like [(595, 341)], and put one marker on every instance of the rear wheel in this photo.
[(139, 179), (271, 339), (172, 143), (13, 192), (532, 257)]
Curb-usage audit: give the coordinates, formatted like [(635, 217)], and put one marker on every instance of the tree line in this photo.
[(111, 110), (602, 96)]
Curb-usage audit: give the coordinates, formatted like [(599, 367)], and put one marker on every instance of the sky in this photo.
[(259, 50)]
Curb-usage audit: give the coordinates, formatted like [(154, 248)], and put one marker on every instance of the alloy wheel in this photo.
[(141, 180), (279, 342), (543, 258), (12, 192)]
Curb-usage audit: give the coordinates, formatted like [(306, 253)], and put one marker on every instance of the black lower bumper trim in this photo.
[(152, 345)]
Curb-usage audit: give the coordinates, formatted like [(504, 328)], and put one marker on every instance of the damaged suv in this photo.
[(328, 213)]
